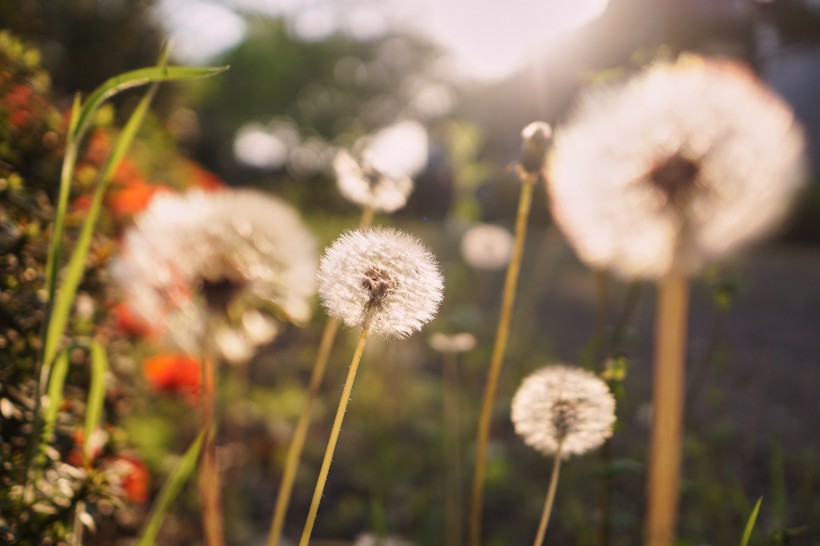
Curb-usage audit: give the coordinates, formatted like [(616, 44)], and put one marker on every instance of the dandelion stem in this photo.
[(300, 434), (502, 332), (297, 443), (334, 433), (452, 451), (208, 467), (667, 410), (545, 516)]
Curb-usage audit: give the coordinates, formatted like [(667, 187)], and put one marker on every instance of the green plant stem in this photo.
[(497, 358), (209, 468), (300, 433), (667, 410), (297, 443), (452, 451), (545, 516), (334, 433)]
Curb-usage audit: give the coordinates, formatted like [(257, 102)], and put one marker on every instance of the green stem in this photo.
[(497, 358), (545, 516), (300, 434), (667, 410), (452, 451), (334, 433)]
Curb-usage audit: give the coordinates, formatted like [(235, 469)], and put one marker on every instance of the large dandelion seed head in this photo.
[(218, 270), (383, 271), (674, 168), (563, 405), (368, 186)]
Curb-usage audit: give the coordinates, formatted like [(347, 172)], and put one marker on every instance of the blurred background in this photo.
[(449, 84)]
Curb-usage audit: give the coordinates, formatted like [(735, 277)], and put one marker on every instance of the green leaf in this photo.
[(96, 394), (170, 491), (55, 245), (747, 533), (56, 382), (136, 78), (76, 265)]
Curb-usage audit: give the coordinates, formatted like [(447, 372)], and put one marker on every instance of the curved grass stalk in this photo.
[(497, 359)]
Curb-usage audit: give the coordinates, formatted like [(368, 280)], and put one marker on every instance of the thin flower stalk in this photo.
[(209, 482), (297, 443), (334, 433), (528, 180), (667, 410), (545, 516), (452, 450)]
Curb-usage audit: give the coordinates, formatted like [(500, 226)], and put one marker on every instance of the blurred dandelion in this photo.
[(384, 281), (674, 168), (485, 246), (367, 186), (216, 273), (370, 539), (656, 178), (224, 267), (562, 411), (455, 343)]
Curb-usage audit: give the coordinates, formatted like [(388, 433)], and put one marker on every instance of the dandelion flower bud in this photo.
[(368, 186), (675, 168), (384, 272), (221, 268), (563, 405), (536, 138), (486, 246)]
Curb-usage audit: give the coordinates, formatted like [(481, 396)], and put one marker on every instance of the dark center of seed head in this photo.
[(378, 283), (219, 293), (675, 176), (564, 418)]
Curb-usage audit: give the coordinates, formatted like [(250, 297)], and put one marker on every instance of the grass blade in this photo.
[(136, 78), (56, 382), (170, 491), (747, 533), (74, 273), (96, 394)]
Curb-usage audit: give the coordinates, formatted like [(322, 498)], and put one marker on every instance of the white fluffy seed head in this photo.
[(486, 246), (674, 168), (223, 268), (563, 405), (368, 186), (385, 271)]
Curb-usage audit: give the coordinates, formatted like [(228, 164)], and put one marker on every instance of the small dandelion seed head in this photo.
[(455, 343), (223, 268), (674, 168), (485, 246), (368, 186), (383, 271), (563, 405)]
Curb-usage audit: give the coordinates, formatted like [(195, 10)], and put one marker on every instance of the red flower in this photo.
[(129, 323), (133, 476), (174, 373)]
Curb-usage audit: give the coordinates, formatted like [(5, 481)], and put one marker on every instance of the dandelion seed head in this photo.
[(455, 343), (222, 268), (563, 405), (675, 168), (486, 246), (368, 186), (383, 271), (535, 139)]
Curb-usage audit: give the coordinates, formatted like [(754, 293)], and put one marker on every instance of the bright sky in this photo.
[(487, 39)]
